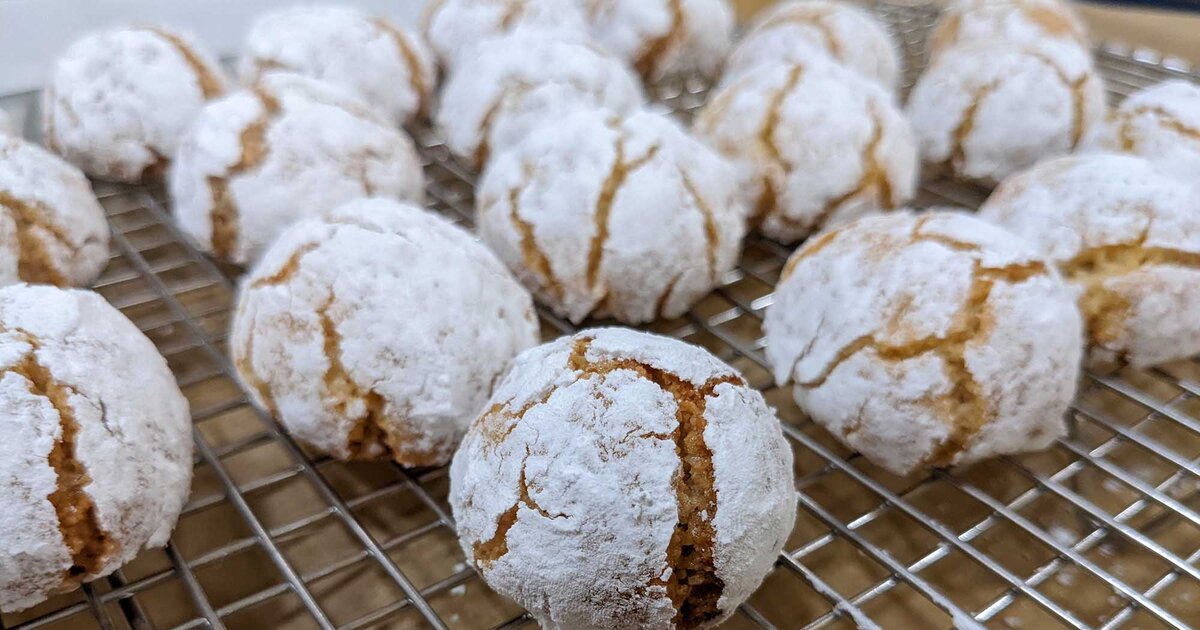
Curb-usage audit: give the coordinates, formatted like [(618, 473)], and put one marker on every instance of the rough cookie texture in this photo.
[(379, 62), (662, 38), (814, 144), (1161, 123), (1127, 237), (794, 31), (454, 27), (623, 480), (1015, 21), (92, 469), (287, 148), (376, 331), (986, 110), (515, 83), (52, 229), (926, 340), (118, 101), (628, 218)]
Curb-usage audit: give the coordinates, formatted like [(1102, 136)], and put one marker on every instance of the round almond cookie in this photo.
[(454, 27), (620, 479), (989, 109), (926, 340), (287, 148), (52, 229), (664, 38), (118, 101), (792, 31), (93, 469), (1015, 21), (814, 144), (609, 217), (1127, 237), (376, 331), (1161, 123), (379, 62), (513, 84)]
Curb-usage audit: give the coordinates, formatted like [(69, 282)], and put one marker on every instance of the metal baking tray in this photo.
[(1101, 530)]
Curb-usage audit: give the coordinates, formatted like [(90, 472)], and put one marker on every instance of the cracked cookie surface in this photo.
[(382, 64), (514, 84), (1015, 21), (91, 470), (118, 101), (52, 229), (814, 145), (307, 339), (984, 110), (285, 149), (454, 28), (799, 31), (623, 478), (926, 340), (1127, 236), (1162, 124), (608, 216), (662, 38)]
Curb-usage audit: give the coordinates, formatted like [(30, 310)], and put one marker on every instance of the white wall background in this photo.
[(33, 32)]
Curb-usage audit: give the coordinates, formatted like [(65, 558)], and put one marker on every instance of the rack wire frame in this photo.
[(1102, 530)]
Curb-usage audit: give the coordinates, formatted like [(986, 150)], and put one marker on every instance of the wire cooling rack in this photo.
[(1101, 530)]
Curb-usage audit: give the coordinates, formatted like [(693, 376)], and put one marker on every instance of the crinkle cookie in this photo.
[(454, 27), (52, 229), (926, 340), (376, 331), (814, 144), (1127, 237), (625, 218), (96, 460), (989, 109), (794, 31), (379, 62), (1161, 123), (514, 84), (1013, 21), (284, 149), (623, 480), (662, 38), (118, 101)]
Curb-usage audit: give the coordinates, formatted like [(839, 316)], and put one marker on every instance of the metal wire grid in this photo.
[(1103, 530)]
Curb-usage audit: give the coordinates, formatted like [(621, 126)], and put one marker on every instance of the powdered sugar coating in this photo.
[(814, 143), (1160, 123), (118, 101), (285, 149), (382, 64), (793, 31), (926, 340), (629, 218), (52, 229), (1127, 237), (989, 109), (377, 331), (68, 360), (582, 439), (513, 84), (662, 38), (1014, 21), (454, 28)]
